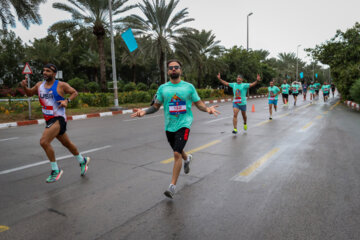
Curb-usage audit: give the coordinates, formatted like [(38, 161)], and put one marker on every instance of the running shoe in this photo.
[(84, 166), (187, 164), (55, 175), (270, 118), (245, 127), (170, 191), (234, 131)]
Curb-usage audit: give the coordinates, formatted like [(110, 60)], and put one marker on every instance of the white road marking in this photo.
[(218, 119), (47, 161), (7, 139)]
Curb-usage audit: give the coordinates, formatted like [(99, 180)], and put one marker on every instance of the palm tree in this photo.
[(200, 56), (27, 12), (92, 14), (162, 27)]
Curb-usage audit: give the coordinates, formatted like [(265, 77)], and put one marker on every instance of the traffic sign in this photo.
[(27, 69)]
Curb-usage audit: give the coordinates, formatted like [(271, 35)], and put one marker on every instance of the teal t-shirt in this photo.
[(317, 86), (295, 88), (239, 91), (285, 88), (177, 100), (272, 92), (312, 88), (325, 88)]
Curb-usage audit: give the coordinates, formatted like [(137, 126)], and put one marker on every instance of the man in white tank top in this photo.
[(51, 94)]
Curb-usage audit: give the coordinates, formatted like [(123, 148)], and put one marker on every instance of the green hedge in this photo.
[(262, 90), (355, 91)]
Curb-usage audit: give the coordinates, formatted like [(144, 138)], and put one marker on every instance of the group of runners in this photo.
[(177, 97)]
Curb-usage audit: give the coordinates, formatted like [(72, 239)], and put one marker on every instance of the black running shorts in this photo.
[(284, 95), (178, 139), (62, 123)]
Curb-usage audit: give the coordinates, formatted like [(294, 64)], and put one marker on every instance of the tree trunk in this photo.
[(100, 41), (199, 77), (161, 65), (133, 69)]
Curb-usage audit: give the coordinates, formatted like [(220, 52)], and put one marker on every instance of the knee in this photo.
[(44, 143), (177, 156)]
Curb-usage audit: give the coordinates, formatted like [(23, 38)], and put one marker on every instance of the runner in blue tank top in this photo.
[(177, 97), (51, 94)]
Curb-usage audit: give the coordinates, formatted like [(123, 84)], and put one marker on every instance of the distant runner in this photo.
[(333, 89), (304, 88), (295, 91), (239, 102), (285, 92), (274, 91), (312, 92), (326, 91)]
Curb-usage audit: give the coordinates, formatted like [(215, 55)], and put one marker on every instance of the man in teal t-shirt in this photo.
[(312, 92), (274, 91), (295, 91), (177, 97), (285, 92), (326, 91), (239, 101), (317, 88)]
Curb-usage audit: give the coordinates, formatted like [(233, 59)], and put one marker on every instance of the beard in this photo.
[(174, 76), (47, 78)]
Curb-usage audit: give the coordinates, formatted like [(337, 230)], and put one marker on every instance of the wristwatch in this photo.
[(68, 99)]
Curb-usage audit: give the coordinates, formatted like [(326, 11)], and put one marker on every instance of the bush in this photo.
[(154, 86), (87, 98), (93, 87), (204, 93), (74, 103), (219, 93), (355, 91), (141, 87), (130, 87), (262, 90), (142, 96), (77, 83), (101, 100)]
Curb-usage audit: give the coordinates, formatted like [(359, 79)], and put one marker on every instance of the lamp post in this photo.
[(297, 65), (116, 101), (247, 42)]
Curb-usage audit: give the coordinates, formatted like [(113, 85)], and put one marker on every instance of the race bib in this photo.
[(272, 98), (326, 89), (176, 108), (238, 100), (48, 110)]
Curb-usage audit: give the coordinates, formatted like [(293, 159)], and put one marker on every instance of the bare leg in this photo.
[(177, 167), (270, 109), (243, 113), (236, 111), (184, 155), (65, 141), (45, 141)]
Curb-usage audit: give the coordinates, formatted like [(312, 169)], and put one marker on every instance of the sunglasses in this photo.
[(174, 67)]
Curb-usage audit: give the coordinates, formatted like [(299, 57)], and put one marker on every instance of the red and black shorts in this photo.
[(62, 123), (178, 139)]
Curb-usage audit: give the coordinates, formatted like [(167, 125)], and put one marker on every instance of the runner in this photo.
[(317, 89), (239, 102), (304, 88), (177, 97), (326, 91), (333, 89), (295, 91), (312, 92), (51, 94), (285, 92), (274, 91)]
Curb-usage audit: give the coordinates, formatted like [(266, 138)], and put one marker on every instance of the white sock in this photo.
[(54, 166), (172, 186), (80, 158)]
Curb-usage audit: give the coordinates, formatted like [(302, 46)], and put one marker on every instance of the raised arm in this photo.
[(258, 79), (222, 81), (202, 107), (29, 91)]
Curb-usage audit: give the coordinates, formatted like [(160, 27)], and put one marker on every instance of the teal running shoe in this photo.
[(55, 175), (84, 166)]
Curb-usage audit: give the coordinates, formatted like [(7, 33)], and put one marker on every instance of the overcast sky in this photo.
[(276, 25)]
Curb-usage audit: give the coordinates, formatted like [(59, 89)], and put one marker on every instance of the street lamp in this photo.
[(247, 42), (116, 101), (297, 65)]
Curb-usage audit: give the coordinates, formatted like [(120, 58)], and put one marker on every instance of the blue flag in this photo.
[(316, 75), (129, 39), (301, 75)]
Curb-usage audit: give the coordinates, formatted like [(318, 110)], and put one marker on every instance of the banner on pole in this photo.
[(130, 40), (316, 75), (301, 75)]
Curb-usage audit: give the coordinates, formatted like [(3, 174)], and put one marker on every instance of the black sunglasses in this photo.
[(172, 67)]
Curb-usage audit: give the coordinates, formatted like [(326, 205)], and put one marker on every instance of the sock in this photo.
[(172, 186), (54, 166), (80, 158)]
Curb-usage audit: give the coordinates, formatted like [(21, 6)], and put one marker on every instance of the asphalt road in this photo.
[(295, 177)]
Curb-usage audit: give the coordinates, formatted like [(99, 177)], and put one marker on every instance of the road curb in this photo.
[(352, 105), (102, 114)]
